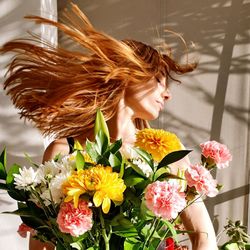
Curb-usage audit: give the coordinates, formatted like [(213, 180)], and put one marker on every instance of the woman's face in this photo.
[(147, 99)]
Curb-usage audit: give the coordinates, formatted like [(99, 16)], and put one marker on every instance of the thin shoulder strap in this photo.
[(71, 143)]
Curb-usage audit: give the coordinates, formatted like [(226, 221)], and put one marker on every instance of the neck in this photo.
[(121, 125)]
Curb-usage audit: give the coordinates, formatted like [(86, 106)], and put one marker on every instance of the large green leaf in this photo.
[(3, 173), (80, 162), (100, 124), (173, 157)]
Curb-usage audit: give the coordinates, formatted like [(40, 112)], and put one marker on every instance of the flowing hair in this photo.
[(60, 90)]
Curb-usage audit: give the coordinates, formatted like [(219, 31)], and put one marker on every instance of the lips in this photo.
[(161, 104)]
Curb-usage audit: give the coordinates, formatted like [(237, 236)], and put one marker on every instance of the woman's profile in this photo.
[(60, 90)]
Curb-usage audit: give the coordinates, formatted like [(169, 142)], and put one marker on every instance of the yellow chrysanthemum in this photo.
[(157, 142), (98, 181)]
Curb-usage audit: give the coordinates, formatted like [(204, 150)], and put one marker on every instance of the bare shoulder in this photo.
[(58, 146)]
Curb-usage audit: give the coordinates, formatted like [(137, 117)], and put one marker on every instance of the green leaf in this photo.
[(136, 169), (160, 172), (13, 170), (125, 231), (77, 245), (173, 157), (3, 186), (114, 147), (232, 246), (114, 161), (100, 124), (132, 197), (122, 169), (132, 180), (171, 229), (102, 142), (91, 150), (132, 244), (28, 158), (80, 162), (146, 156), (59, 246), (3, 173)]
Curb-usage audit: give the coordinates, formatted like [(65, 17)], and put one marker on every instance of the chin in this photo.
[(150, 116)]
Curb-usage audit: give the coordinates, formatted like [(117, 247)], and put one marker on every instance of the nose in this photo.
[(166, 94)]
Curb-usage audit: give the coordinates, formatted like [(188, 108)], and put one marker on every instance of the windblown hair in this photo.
[(60, 90)]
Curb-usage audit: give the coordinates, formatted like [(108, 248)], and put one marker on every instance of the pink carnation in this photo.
[(24, 229), (218, 152), (199, 177), (75, 221), (164, 199)]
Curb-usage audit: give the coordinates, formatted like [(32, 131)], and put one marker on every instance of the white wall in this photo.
[(17, 136)]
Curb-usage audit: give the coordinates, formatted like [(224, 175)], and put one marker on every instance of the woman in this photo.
[(60, 90)]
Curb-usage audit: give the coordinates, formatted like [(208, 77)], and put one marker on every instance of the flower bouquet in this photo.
[(105, 196)]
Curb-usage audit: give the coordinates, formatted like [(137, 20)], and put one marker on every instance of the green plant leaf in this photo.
[(173, 157), (80, 162), (28, 158), (114, 147), (114, 161), (101, 142), (136, 169), (133, 180), (91, 150), (172, 230), (146, 156), (3, 162), (100, 124), (3, 186), (77, 245), (132, 244), (160, 171)]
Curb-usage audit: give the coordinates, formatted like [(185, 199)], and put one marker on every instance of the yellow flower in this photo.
[(157, 142), (99, 182)]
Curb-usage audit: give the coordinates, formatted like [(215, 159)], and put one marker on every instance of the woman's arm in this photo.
[(196, 218), (56, 147)]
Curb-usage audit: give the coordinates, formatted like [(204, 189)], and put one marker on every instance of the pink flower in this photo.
[(218, 152), (75, 221), (164, 199), (24, 229), (199, 177)]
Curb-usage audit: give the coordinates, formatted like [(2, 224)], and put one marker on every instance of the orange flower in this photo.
[(157, 142)]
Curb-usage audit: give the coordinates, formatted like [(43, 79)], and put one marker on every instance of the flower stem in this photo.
[(153, 226), (103, 230)]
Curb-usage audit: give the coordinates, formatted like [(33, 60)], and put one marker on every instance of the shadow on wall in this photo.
[(15, 134)]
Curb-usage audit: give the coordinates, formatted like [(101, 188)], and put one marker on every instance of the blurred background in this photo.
[(213, 102)]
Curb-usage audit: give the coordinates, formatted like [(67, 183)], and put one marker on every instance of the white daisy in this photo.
[(27, 177)]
